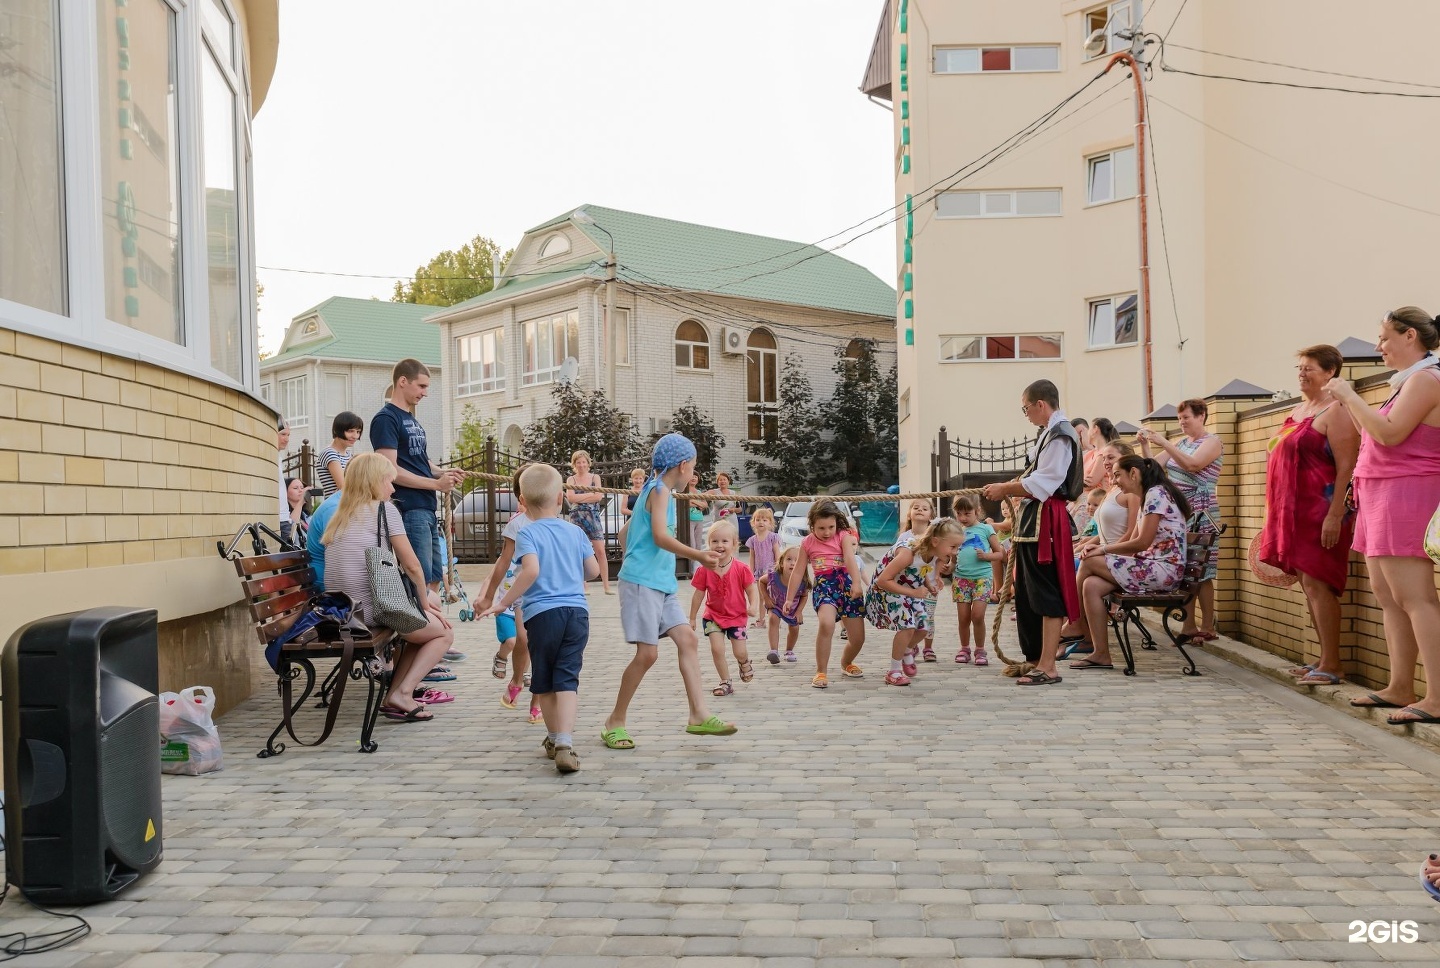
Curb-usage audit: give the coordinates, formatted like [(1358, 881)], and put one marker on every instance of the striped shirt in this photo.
[(327, 480)]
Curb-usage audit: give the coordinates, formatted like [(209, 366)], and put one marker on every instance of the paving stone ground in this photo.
[(1156, 821)]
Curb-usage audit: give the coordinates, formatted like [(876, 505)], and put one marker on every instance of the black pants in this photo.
[(1037, 595)]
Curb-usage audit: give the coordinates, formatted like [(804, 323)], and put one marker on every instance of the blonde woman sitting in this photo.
[(369, 483)]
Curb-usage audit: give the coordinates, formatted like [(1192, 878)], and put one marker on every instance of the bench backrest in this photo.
[(1197, 556), (278, 589)]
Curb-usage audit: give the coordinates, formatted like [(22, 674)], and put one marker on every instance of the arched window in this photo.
[(692, 346), (762, 387), (557, 244), (857, 349), (514, 441)]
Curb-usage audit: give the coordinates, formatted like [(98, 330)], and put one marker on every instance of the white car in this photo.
[(794, 523)]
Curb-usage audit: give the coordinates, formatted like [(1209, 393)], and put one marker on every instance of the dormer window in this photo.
[(557, 244), (309, 328)]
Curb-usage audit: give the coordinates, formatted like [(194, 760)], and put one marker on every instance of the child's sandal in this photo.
[(724, 689), (747, 671), (497, 668)]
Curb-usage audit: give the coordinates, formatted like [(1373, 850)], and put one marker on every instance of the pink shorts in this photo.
[(1394, 513)]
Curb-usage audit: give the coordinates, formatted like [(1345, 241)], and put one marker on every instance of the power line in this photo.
[(1291, 164), (1307, 70), (410, 276), (1165, 66), (1160, 206)]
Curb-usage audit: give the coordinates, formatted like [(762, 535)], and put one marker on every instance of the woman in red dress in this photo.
[(1307, 530)]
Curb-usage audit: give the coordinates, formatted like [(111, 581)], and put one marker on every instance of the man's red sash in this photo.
[(1057, 547)]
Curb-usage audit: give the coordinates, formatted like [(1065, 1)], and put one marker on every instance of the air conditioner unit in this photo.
[(660, 425), (733, 341)]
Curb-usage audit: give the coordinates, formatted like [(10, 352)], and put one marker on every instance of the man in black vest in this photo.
[(1045, 593)]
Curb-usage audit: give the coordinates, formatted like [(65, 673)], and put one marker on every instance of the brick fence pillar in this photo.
[(1225, 406)]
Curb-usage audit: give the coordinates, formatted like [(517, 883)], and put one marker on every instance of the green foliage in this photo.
[(797, 459), (696, 424), (863, 417), (581, 421), (470, 439), (453, 276)]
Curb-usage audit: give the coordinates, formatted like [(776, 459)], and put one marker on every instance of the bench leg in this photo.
[(1121, 629), (327, 687), (1178, 613), (373, 669), (288, 671), (1147, 641)]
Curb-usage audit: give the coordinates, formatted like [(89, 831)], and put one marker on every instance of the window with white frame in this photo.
[(549, 342), (265, 392), (482, 363), (1004, 346), (154, 93), (997, 60), (295, 401), (622, 338), (1021, 203), (904, 405), (557, 244), (1111, 18), (1111, 176), (692, 346), (1114, 321)]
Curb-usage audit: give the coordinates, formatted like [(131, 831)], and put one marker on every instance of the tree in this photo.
[(796, 458), (696, 424), (580, 421), (453, 276), (862, 416), (470, 439)]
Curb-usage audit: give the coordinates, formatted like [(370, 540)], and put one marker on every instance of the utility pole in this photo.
[(612, 341)]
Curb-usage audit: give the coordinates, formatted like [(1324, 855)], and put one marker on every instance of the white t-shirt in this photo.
[(284, 498), (518, 522)]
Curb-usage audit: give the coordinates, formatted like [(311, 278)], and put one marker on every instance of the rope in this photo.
[(709, 496), (1007, 595)]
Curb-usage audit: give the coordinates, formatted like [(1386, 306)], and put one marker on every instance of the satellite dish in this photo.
[(569, 370), (1095, 43)]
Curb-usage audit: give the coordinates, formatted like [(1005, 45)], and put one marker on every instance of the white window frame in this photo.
[(495, 338), (1014, 209), (290, 390), (1112, 302), (1112, 42), (1114, 156), (626, 336), (982, 358), (690, 346), (980, 58), (564, 246), (85, 321), (532, 372)]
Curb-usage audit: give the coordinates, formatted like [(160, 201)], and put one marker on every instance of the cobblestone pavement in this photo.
[(1155, 821)]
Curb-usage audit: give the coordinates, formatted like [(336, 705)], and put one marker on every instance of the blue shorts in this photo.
[(504, 628), (424, 534), (557, 648)]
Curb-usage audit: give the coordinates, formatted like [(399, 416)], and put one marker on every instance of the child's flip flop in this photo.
[(714, 726), (617, 739)]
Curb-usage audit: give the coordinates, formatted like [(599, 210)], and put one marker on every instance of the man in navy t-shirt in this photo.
[(396, 435)]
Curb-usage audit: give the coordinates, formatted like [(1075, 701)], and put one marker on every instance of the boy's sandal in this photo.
[(714, 726), (821, 681), (497, 667), (928, 654), (747, 671), (617, 739), (724, 689), (548, 745)]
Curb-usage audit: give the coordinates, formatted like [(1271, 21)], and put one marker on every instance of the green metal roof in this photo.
[(518, 284), (368, 329), (702, 258)]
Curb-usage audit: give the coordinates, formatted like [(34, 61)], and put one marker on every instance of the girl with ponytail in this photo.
[(1152, 561)]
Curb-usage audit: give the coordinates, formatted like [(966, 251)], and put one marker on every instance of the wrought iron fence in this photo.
[(958, 464)]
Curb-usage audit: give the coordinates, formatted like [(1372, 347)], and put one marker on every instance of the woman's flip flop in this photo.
[(617, 739)]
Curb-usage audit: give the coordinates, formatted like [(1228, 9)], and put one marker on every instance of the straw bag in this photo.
[(1432, 537), (393, 600), (1268, 574)]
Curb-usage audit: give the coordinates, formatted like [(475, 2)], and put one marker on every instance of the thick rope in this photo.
[(708, 496), (1007, 595)]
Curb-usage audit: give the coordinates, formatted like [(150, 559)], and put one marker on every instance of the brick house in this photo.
[(339, 355), (704, 313)]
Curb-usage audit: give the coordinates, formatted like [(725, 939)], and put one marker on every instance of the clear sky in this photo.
[(395, 130)]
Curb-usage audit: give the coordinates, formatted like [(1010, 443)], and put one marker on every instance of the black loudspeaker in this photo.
[(82, 754)]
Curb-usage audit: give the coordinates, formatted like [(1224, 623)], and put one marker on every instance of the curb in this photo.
[(1337, 697)]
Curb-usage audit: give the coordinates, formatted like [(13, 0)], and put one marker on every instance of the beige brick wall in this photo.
[(1275, 619), (117, 478)]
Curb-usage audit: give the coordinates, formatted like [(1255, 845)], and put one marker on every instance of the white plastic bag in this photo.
[(189, 741)]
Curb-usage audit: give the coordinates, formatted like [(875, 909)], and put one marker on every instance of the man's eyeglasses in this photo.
[(1026, 409)]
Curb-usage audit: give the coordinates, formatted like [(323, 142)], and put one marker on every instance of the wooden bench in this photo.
[(1174, 605), (279, 588)]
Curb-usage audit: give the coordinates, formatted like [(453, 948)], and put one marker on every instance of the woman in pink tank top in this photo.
[(1397, 488)]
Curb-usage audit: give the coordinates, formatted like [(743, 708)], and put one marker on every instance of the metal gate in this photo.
[(955, 464)]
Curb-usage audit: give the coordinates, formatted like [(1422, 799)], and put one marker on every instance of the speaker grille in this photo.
[(130, 795)]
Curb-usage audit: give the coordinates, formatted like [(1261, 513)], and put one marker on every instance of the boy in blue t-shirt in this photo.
[(556, 560), (649, 607)]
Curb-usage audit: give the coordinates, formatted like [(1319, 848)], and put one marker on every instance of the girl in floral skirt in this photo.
[(904, 580)]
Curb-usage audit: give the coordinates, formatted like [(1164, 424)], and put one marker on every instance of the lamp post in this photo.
[(585, 218)]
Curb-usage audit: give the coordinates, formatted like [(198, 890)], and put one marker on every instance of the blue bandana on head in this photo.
[(672, 450)]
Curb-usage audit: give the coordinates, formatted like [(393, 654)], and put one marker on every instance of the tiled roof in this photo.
[(368, 329), (705, 259), (518, 284)]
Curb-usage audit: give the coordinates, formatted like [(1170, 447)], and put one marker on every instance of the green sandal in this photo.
[(617, 739), (714, 726)]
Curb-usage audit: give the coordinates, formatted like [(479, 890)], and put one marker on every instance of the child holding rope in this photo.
[(979, 573), (919, 513), (904, 580), (839, 591), (781, 608)]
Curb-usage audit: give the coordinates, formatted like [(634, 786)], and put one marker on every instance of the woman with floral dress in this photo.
[(1193, 463), (1152, 561)]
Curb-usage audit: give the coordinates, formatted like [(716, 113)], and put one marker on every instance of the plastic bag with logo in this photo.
[(189, 741)]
